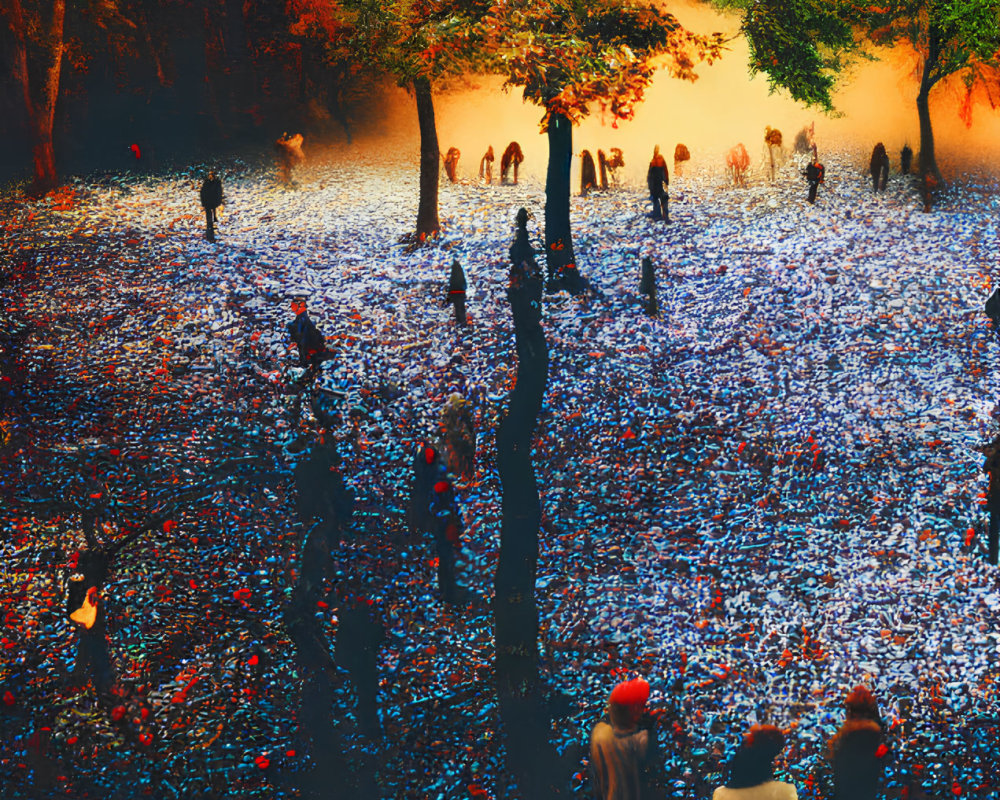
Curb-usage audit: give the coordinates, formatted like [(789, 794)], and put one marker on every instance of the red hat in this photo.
[(429, 454), (442, 486), (631, 693)]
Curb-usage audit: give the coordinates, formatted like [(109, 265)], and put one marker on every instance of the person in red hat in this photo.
[(621, 747)]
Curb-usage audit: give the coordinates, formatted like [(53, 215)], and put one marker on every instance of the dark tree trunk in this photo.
[(40, 100), (558, 238), (531, 759), (427, 212), (926, 160)]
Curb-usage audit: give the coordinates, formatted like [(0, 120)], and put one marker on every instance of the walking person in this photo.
[(879, 168), (456, 292), (211, 199), (623, 752), (658, 182), (312, 352), (814, 172)]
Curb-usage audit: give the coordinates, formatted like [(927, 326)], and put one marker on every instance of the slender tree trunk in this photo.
[(926, 159), (40, 102), (558, 237), (531, 758), (427, 212)]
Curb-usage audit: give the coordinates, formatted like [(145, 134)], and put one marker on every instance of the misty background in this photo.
[(212, 108)]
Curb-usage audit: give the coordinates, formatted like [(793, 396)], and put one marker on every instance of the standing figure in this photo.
[(992, 468), (737, 164), (512, 156), (752, 768), (613, 164), (456, 292), (805, 139), (879, 168), (289, 151), (857, 751), (681, 154), (312, 351), (814, 173), (773, 141), (602, 166), (486, 165), (451, 163), (647, 286), (446, 521), (905, 160), (588, 174), (459, 435), (211, 199), (658, 182), (621, 746), (426, 468)]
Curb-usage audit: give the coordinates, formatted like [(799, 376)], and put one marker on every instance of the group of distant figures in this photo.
[(510, 161)]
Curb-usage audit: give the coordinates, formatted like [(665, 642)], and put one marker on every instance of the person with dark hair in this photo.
[(486, 165), (512, 157), (524, 270), (906, 160), (879, 168), (658, 182), (622, 746), (451, 163), (289, 152), (456, 292), (211, 199), (751, 770), (815, 173), (992, 468), (857, 751), (647, 286), (312, 351), (588, 173)]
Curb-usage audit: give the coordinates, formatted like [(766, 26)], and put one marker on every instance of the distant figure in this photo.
[(448, 529), (211, 199), (751, 770), (427, 465), (992, 468), (857, 751), (289, 150), (512, 157), (906, 160), (456, 292), (879, 168), (647, 286), (588, 174), (805, 139), (486, 165), (451, 163), (658, 182), (610, 166), (773, 143), (681, 154), (135, 151), (459, 435), (311, 349), (524, 269), (815, 173), (737, 164), (621, 746)]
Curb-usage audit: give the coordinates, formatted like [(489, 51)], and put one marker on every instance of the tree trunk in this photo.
[(427, 212), (926, 159), (558, 237), (40, 103), (531, 758)]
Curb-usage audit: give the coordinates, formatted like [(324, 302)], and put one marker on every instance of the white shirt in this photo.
[(772, 790)]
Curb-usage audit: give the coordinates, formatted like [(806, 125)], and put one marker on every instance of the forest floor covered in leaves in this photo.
[(772, 491)]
